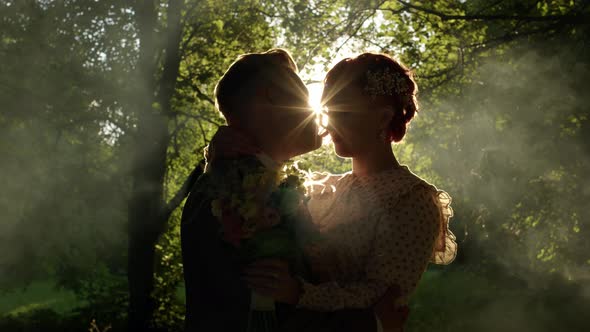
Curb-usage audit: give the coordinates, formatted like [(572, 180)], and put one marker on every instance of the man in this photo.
[(262, 96)]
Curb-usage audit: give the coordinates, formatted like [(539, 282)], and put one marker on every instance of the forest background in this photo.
[(107, 105)]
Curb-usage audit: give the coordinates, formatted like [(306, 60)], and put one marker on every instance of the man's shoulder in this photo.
[(226, 175), (235, 166), (198, 203), (203, 182)]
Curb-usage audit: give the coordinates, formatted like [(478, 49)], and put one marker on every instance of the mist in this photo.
[(512, 150), (105, 110)]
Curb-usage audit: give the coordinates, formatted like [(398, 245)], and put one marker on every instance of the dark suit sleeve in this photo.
[(216, 297)]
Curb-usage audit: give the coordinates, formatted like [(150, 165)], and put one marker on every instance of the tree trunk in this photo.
[(147, 215)]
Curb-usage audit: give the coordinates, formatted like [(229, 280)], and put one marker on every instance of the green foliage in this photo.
[(37, 295), (104, 294), (324, 160), (503, 128), (49, 320), (62, 201), (465, 300), (168, 277)]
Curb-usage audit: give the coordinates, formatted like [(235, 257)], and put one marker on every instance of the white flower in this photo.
[(386, 83)]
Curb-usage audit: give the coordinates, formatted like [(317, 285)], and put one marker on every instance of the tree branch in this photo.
[(188, 82), (577, 19), (197, 117), (194, 28), (492, 5), (452, 72), (355, 32), (490, 43)]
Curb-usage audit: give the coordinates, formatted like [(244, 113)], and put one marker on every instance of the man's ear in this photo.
[(269, 94)]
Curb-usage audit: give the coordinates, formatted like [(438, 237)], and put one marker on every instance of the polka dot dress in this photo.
[(379, 230)]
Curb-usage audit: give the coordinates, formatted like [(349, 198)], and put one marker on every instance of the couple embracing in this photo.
[(265, 251)]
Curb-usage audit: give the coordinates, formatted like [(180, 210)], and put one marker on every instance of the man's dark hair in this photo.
[(243, 76)]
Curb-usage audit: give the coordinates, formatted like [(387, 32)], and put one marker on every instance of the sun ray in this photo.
[(334, 90), (315, 101), (315, 97), (293, 133)]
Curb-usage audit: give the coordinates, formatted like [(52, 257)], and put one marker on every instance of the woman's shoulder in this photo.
[(404, 185), (423, 202), (396, 182), (420, 188)]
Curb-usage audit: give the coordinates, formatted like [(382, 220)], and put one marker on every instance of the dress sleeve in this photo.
[(405, 235)]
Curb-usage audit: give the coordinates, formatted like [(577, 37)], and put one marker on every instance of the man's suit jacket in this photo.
[(217, 299)]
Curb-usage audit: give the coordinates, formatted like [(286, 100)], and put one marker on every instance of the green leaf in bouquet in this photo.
[(288, 201), (276, 242)]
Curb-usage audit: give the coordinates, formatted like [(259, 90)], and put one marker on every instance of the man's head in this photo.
[(262, 95)]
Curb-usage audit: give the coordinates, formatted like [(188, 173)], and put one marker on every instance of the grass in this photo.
[(457, 300), (446, 300), (38, 295)]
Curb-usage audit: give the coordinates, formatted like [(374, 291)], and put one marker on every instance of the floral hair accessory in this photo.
[(385, 83)]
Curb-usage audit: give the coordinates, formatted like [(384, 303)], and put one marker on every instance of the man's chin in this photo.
[(306, 145), (315, 143), (341, 151)]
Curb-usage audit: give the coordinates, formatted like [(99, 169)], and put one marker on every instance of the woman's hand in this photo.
[(230, 142), (272, 278), (392, 318)]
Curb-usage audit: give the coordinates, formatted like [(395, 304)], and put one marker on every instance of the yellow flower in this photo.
[(248, 229), (269, 178), (250, 181), (249, 210), (270, 217)]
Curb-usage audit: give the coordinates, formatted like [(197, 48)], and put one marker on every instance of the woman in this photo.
[(382, 223)]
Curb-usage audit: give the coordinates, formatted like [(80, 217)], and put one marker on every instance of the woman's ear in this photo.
[(386, 114)]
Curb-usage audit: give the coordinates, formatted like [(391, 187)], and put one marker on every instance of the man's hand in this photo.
[(392, 318), (272, 278)]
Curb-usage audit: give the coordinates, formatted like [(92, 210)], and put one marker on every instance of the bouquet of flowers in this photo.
[(263, 214)]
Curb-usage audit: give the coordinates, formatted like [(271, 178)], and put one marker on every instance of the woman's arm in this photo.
[(402, 247)]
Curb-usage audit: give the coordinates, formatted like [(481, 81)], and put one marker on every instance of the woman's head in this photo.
[(370, 99)]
